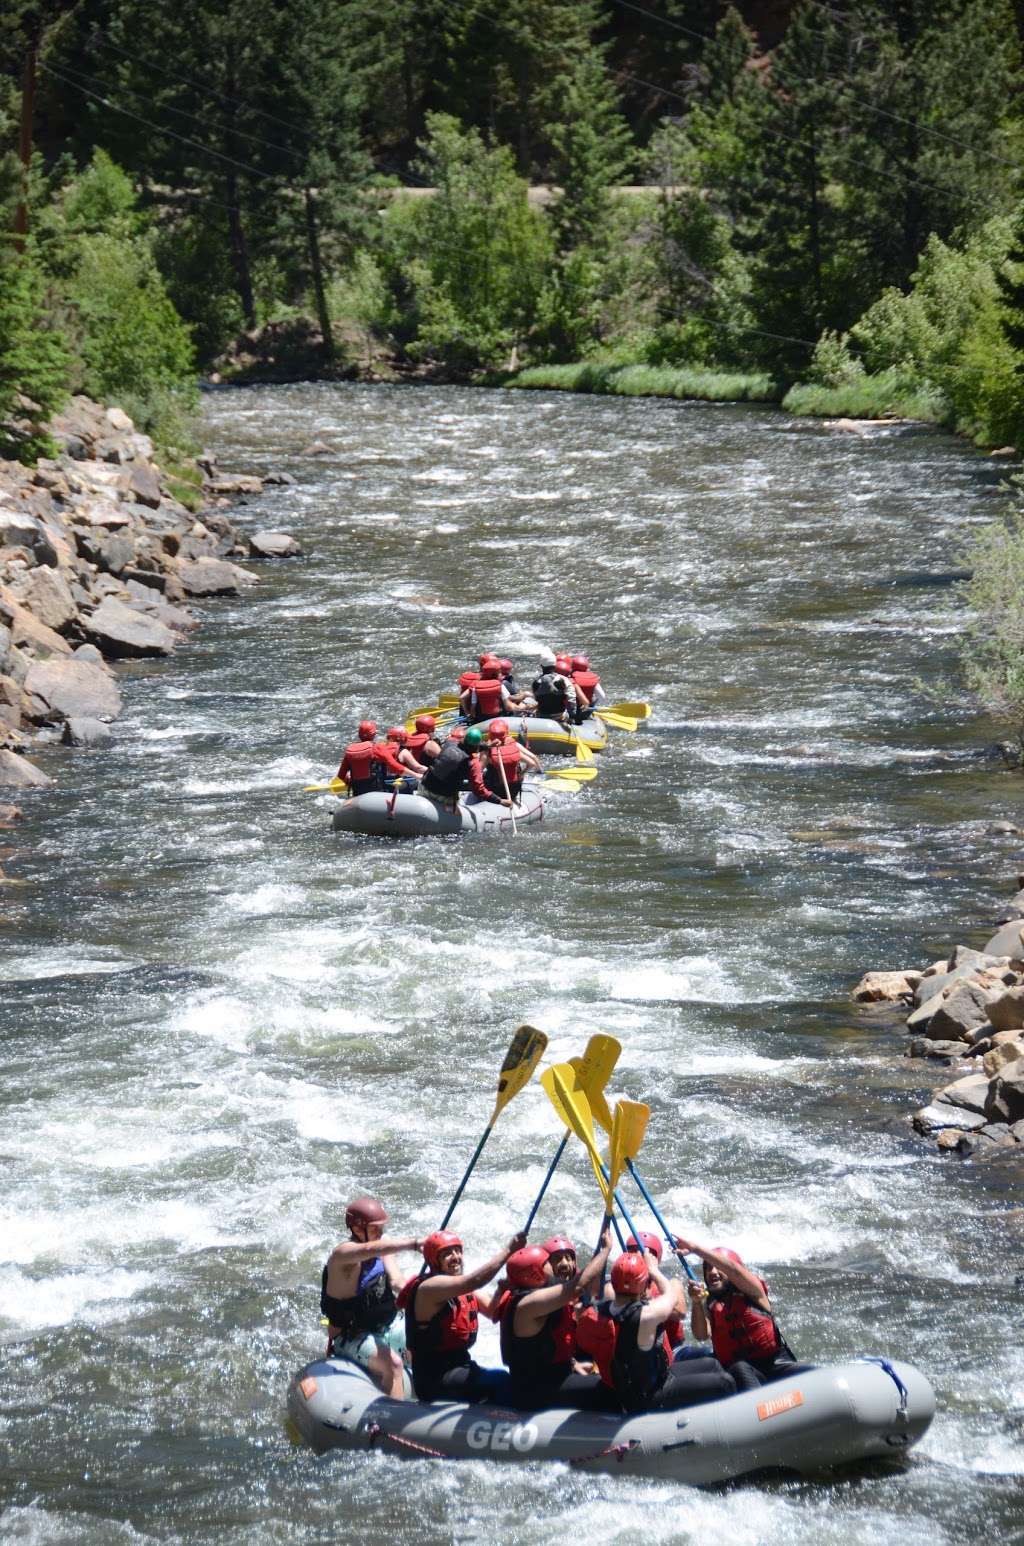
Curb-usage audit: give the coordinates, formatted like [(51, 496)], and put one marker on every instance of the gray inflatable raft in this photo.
[(381, 814), (806, 1423), (550, 736)]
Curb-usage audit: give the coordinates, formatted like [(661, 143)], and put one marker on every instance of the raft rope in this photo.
[(375, 1432), (883, 1363), (620, 1451)]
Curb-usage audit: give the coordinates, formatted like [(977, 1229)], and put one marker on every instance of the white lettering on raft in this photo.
[(501, 1437)]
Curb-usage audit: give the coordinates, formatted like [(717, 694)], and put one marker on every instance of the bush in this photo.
[(34, 358), (992, 650)]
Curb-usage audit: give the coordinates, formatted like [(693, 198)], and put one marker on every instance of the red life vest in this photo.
[(488, 697), (508, 754), (467, 680), (739, 1329), (451, 1330), (595, 1338), (416, 743), (587, 681), (357, 762)]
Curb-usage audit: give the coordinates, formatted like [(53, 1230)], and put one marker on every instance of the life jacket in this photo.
[(371, 1308), (359, 766), (416, 743), (636, 1375), (596, 1333), (448, 771), (444, 1342), (487, 699), (541, 1359), (508, 754), (739, 1329), (467, 680), (586, 681), (550, 693)]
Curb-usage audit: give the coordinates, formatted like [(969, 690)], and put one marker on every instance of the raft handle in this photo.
[(883, 1363)]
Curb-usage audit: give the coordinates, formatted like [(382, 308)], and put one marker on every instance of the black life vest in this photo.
[(448, 771), (637, 1375), (371, 1308), (541, 1359), (444, 1341), (550, 693)]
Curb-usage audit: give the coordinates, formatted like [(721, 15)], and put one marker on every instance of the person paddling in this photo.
[(644, 1378), (553, 690), (422, 746), (442, 1311), (737, 1313), (538, 1331), (506, 763), (358, 1289), (456, 766), (587, 683), (489, 695), (398, 741), (359, 767)]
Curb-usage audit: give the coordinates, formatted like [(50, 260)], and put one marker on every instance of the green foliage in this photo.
[(832, 364), (890, 395), (648, 381), (34, 358), (592, 149), (992, 650)]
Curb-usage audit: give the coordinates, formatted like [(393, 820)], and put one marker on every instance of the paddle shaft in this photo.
[(469, 1171), (669, 1237), (508, 792), (622, 1209), (540, 1195)]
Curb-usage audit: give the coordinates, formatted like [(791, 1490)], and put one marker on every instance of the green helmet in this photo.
[(473, 738)]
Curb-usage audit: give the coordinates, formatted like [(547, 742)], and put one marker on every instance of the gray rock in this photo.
[(212, 577), (1002, 829), (117, 552), (932, 1119), (72, 689), (1016, 1128), (997, 1131), (143, 486), (225, 484), (965, 1008), (954, 1140), (941, 981), (1006, 1095), (91, 653), (1006, 1011), (123, 633), (1007, 942), (940, 1051), (971, 1093), (963, 955), (28, 630), (48, 596), (283, 479), (18, 773), (315, 448), (275, 544), (85, 732)]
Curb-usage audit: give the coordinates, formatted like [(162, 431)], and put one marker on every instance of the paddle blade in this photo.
[(524, 1053), (562, 1088), (583, 752), (336, 786), (594, 1068), (636, 710), (617, 721), (633, 1117)]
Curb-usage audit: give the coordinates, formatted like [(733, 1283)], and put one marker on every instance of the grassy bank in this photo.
[(887, 395), (710, 386)]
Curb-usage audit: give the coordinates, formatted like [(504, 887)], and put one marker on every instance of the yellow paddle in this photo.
[(577, 774), (335, 786), (594, 1067), (617, 721), (524, 1053), (638, 710), (564, 1090)]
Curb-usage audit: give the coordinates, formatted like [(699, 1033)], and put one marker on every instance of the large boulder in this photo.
[(969, 1093), (143, 487), (932, 1119), (27, 629), (1007, 942), (1006, 1011), (281, 544), (85, 732), (72, 689), (212, 577), (121, 632), (999, 1057), (47, 595), (964, 1008), (1006, 1094), (18, 773)]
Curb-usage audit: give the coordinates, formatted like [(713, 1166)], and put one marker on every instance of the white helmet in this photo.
[(547, 659)]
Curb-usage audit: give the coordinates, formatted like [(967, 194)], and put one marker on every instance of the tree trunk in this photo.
[(28, 102), (316, 267), (240, 253)]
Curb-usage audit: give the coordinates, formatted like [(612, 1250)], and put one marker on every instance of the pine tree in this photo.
[(1010, 287), (34, 357), (591, 151)]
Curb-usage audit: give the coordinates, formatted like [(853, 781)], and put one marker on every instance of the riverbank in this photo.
[(966, 1014), (101, 562)]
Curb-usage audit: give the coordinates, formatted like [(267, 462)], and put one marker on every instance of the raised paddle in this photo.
[(634, 1137), (669, 1236), (524, 1053), (561, 1082), (594, 1067)]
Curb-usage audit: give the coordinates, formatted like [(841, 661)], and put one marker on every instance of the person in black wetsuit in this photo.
[(358, 1290), (644, 1379), (457, 765), (538, 1332)]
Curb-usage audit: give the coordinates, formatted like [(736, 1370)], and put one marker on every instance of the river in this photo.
[(219, 1021)]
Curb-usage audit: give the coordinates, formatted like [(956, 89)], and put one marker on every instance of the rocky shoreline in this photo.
[(99, 562), (966, 1013)]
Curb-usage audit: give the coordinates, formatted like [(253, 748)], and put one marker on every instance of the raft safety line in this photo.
[(376, 1432), (883, 1363), (620, 1451)]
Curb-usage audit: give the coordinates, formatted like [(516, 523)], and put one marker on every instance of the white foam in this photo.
[(93, 1297)]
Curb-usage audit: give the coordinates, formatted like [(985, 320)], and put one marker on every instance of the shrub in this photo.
[(992, 649)]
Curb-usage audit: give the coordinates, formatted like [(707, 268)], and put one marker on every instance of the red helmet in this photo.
[(581, 662), (457, 733), (397, 733), (498, 730), (491, 672), (557, 1243), (729, 1253), (563, 663), (525, 1267), (506, 666), (486, 658), (648, 1241), (629, 1274), (440, 1240), (367, 729), (365, 1210), (426, 724)]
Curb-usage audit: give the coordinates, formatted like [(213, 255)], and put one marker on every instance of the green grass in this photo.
[(713, 386), (885, 396)]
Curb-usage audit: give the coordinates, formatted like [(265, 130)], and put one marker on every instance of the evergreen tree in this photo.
[(34, 357), (592, 149)]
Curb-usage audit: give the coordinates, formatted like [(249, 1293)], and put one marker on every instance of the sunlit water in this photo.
[(220, 1020)]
